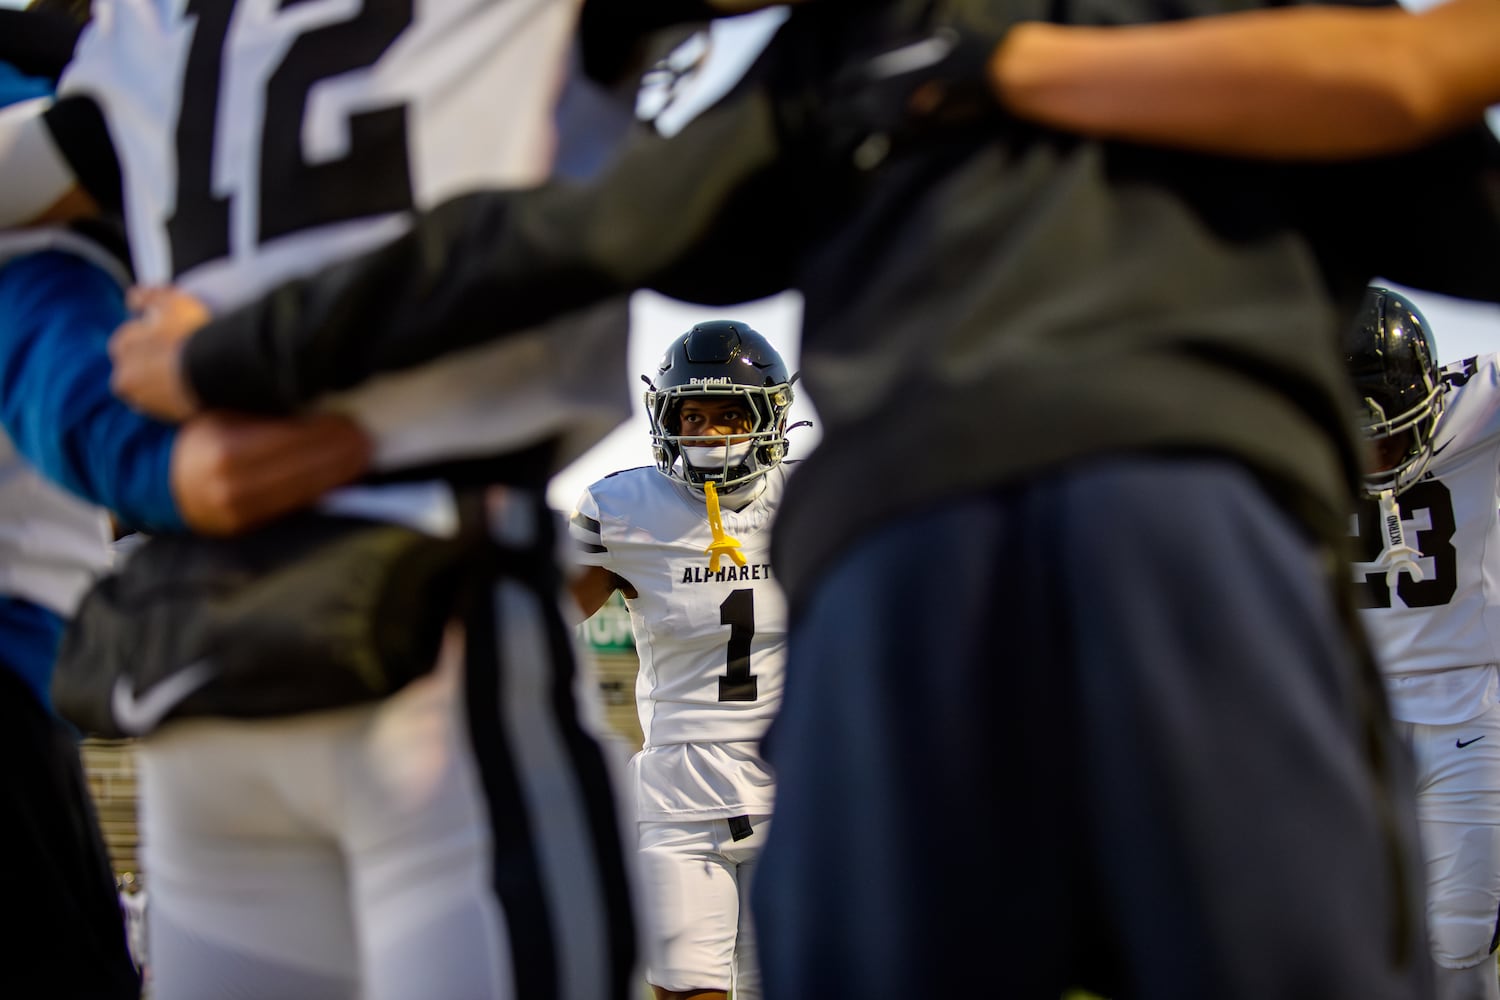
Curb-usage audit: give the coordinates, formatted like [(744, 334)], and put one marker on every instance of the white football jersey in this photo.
[(52, 545), (262, 139), (712, 645), (1438, 639)]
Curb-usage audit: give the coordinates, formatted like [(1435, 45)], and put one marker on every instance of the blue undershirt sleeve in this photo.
[(16, 86), (57, 312)]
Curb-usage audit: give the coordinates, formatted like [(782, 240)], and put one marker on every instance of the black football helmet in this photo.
[(1392, 356), (719, 359)]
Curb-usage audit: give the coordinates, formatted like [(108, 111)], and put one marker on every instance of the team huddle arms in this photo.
[(1072, 297)]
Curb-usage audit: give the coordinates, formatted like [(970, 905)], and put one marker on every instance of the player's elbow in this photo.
[(215, 506), (1418, 97), (1418, 108), (211, 496)]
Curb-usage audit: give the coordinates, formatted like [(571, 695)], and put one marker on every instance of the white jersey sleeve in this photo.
[(36, 173), (260, 141), (712, 644), (1449, 621), (584, 528), (52, 545)]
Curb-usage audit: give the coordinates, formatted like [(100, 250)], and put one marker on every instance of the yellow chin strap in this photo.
[(722, 544)]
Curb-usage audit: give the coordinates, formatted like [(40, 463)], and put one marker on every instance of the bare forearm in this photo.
[(230, 473), (1293, 83), (490, 263)]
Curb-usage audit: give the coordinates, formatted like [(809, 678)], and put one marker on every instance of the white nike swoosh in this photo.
[(137, 716)]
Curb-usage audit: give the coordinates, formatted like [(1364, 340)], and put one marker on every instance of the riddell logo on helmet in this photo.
[(719, 380)]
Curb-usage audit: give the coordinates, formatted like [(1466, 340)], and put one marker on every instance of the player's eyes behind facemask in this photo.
[(736, 389)]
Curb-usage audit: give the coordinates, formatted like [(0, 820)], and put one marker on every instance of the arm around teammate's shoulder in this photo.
[(1320, 83), (701, 216), (218, 474)]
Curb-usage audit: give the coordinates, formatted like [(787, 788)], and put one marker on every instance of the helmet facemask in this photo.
[(1392, 360), (729, 462), (728, 362), (1418, 424)]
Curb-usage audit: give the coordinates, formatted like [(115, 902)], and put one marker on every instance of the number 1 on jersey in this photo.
[(738, 612)]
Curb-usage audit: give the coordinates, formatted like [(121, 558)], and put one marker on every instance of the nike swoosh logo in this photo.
[(1463, 743), (139, 715)]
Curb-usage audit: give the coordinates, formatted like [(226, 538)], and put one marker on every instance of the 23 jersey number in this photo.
[(1436, 588), (372, 178)]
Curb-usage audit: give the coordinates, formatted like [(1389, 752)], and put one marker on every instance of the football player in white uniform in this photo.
[(688, 544), (458, 837), (1428, 577)]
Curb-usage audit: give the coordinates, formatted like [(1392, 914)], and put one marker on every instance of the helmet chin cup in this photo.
[(726, 465)]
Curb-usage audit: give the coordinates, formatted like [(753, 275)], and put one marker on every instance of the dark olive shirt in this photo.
[(982, 306)]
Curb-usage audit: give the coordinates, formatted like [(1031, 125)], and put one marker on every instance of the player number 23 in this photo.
[(1436, 540)]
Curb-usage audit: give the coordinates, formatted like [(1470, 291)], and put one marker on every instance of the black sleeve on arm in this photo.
[(705, 216), (82, 136)]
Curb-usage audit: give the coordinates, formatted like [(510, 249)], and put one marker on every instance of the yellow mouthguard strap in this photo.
[(722, 544)]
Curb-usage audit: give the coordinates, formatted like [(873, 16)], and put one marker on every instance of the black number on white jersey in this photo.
[(738, 612), (199, 224), (1438, 587), (372, 178)]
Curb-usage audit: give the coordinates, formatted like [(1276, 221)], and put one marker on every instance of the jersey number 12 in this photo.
[(372, 178)]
